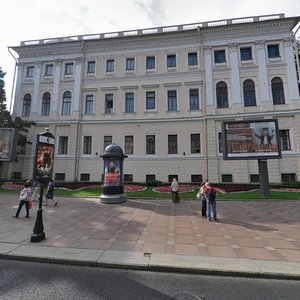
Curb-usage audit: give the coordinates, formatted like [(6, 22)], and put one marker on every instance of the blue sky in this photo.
[(33, 19)]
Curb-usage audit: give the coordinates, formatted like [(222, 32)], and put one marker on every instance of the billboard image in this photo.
[(8, 144), (251, 139), (112, 172)]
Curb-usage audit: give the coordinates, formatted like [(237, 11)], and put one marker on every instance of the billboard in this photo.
[(255, 139), (8, 143), (44, 157)]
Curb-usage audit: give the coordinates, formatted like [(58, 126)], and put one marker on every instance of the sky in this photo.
[(23, 20)]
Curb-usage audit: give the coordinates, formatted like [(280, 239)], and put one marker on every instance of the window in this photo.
[(63, 145), (150, 144), (129, 102), (170, 177), (172, 144), (84, 177), (107, 140), (284, 137), (195, 143), (46, 104), (196, 178), (26, 105), (16, 175), (194, 99), (220, 142), (110, 65), (171, 61), (49, 70), (128, 147), (69, 68), (249, 93), (109, 103), (89, 104), (277, 91), (150, 100), (150, 62), (273, 51), (66, 108), (30, 71), (222, 95), (254, 178), (246, 53), (129, 64), (288, 177), (87, 145), (60, 176), (219, 56), (91, 67), (150, 177), (172, 100), (192, 59), (128, 177), (226, 178)]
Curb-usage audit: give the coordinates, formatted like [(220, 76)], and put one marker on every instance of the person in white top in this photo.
[(175, 190)]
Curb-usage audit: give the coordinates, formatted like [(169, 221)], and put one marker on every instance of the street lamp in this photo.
[(42, 173)]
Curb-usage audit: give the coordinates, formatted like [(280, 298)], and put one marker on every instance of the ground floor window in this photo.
[(227, 178), (128, 177), (254, 178), (288, 177), (170, 177), (84, 177), (60, 176), (16, 175), (196, 178), (150, 177)]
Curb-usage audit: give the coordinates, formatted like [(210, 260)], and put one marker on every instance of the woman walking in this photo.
[(24, 198)]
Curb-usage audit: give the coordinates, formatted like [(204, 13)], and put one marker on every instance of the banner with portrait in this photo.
[(8, 144)]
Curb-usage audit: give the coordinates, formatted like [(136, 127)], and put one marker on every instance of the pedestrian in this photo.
[(50, 192), (36, 191), (201, 196), (210, 194), (175, 190), (25, 197)]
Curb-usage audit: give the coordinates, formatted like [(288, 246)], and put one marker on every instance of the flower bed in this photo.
[(182, 189)]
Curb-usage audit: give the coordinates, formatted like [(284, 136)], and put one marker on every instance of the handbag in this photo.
[(30, 204), (198, 195)]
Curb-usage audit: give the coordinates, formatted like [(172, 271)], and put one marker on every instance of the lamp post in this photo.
[(42, 173), (113, 188)]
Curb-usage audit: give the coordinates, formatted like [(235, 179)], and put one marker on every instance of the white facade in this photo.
[(160, 94)]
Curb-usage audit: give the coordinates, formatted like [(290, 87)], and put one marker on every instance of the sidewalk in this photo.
[(250, 239)]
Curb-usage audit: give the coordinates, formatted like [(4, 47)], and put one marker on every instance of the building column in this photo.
[(262, 72), (18, 101), (77, 86), (36, 89), (291, 69), (56, 85), (209, 88), (235, 74)]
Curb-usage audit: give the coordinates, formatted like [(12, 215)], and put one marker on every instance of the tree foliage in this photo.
[(6, 119)]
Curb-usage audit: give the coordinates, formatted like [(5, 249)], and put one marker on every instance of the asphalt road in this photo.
[(30, 280)]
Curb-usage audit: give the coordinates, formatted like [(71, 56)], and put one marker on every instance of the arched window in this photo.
[(249, 93), (66, 107), (277, 91), (46, 104), (26, 105), (222, 94)]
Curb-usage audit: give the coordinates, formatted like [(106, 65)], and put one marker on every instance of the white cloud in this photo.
[(34, 19)]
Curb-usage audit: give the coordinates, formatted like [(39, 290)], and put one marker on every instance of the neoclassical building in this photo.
[(162, 95)]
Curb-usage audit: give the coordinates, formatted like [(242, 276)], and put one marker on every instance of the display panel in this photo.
[(8, 143), (254, 139)]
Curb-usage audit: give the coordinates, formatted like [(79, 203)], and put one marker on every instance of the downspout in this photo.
[(203, 104)]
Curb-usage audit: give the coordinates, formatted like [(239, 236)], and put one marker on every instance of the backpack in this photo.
[(212, 195)]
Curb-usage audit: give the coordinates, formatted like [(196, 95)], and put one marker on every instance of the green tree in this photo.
[(6, 119)]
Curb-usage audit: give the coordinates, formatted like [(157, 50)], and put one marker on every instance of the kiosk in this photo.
[(113, 188)]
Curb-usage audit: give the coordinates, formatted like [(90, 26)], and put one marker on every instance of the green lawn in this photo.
[(150, 194)]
